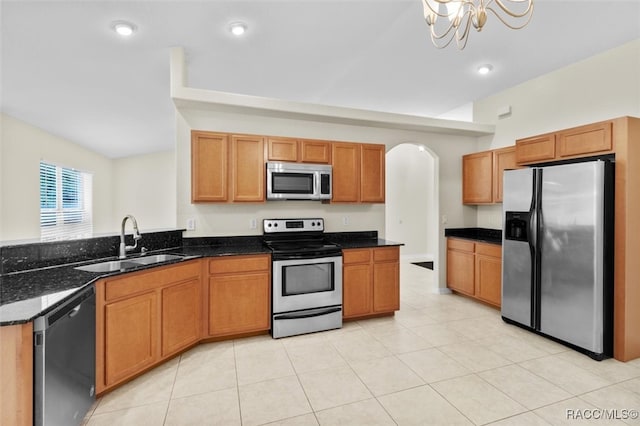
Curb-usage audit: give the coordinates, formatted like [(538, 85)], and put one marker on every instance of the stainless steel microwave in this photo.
[(296, 181)]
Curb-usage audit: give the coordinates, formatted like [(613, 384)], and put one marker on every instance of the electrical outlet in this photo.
[(253, 224), (345, 220), (191, 224), (444, 219)]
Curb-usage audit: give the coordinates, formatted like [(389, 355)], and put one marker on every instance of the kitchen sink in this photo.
[(113, 265), (120, 265), (156, 258)]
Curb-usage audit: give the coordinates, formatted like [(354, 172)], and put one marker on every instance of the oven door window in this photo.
[(292, 183), (305, 279)]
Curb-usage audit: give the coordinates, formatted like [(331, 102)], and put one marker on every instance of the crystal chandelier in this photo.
[(452, 19)]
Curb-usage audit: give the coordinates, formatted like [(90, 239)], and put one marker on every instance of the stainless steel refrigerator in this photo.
[(557, 274)]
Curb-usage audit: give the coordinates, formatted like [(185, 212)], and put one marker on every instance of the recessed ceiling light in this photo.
[(238, 28), (485, 69), (123, 28)]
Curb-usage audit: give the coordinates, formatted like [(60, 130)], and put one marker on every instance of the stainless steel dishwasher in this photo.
[(65, 361)]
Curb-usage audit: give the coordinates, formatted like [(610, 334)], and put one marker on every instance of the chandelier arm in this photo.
[(506, 10), (446, 15), (513, 27), (434, 35), (446, 37), (465, 35)]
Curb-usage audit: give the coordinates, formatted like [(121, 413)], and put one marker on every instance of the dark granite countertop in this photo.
[(486, 235), (29, 293)]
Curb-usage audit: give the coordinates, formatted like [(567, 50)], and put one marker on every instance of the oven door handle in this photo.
[(308, 314), (311, 255)]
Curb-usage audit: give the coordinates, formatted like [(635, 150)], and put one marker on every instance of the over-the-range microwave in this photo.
[(296, 181)]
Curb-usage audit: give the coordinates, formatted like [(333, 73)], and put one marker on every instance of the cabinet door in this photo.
[(239, 303), (131, 330), (536, 149), (372, 173), (592, 139), (209, 157), (503, 159), (356, 290), (460, 271), (315, 152), (282, 149), (386, 288), (477, 178), (16, 370), (489, 279), (181, 307), (247, 168), (345, 158)]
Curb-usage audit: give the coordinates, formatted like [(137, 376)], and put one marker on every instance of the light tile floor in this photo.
[(442, 359)]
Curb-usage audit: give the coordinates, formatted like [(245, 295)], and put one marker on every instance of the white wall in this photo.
[(145, 186), (234, 219), (411, 205), (23, 146), (599, 88)]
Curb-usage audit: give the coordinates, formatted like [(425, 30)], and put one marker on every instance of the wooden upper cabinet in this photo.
[(503, 159), (282, 149), (358, 173), (536, 149), (592, 139), (346, 172), (315, 151), (294, 150), (247, 168), (372, 173), (209, 153), (477, 178)]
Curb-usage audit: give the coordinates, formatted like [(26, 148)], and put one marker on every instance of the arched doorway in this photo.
[(412, 202)]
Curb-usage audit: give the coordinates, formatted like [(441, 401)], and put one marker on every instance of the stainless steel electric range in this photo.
[(306, 277)]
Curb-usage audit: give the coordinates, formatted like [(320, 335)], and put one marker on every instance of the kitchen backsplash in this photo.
[(20, 257)]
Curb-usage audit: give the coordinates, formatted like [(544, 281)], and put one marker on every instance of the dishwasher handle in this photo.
[(67, 309)]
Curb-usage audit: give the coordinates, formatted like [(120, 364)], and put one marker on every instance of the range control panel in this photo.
[(271, 226)]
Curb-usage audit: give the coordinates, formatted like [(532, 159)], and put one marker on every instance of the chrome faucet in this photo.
[(122, 254)]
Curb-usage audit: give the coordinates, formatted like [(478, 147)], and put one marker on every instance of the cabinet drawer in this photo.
[(585, 140), (129, 284), (233, 264), (386, 254), (536, 149), (460, 245), (493, 250), (351, 256)]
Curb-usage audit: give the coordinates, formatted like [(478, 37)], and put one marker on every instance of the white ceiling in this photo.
[(64, 70)]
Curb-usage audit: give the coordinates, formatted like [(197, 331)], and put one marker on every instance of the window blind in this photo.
[(65, 203)]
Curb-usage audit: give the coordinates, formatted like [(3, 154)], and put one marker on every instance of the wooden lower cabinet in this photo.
[(475, 269), (16, 371), (239, 296), (357, 300), (488, 273), (460, 270), (142, 318), (370, 281), (181, 316), (131, 336)]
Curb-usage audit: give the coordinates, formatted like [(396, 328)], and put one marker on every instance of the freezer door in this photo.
[(571, 244), (516, 246)]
